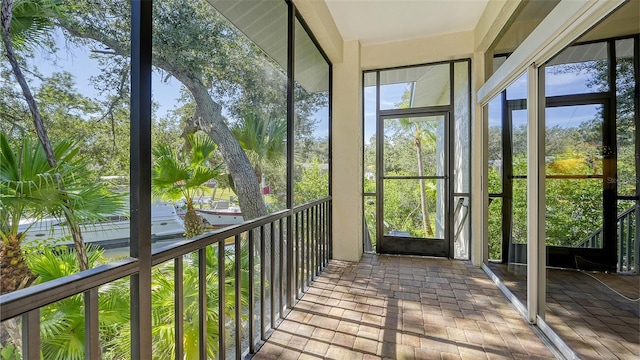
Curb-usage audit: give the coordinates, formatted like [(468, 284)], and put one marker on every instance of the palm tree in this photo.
[(163, 307), (62, 323), (32, 21), (420, 135), (262, 139), (174, 176), (29, 188)]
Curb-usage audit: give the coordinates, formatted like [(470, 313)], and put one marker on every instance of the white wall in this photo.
[(347, 176)]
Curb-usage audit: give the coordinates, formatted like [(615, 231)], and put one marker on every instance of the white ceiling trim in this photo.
[(382, 21)]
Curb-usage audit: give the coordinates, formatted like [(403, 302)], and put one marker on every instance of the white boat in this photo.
[(222, 214), (112, 233)]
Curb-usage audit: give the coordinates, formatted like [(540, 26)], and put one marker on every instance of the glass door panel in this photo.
[(415, 185), (404, 214), (414, 146), (580, 186), (574, 168)]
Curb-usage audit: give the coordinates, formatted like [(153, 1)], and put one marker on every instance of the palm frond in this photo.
[(202, 148), (32, 22)]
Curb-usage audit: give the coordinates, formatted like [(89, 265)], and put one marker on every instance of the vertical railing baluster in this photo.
[(263, 293), (314, 233), (238, 295), (322, 244), (290, 262), (301, 251), (178, 305), (628, 242), (298, 254), (323, 220), (329, 232), (202, 302), (636, 239), (281, 267), (252, 349), (91, 330), (222, 298), (31, 335), (620, 240), (309, 262), (316, 236), (272, 278)]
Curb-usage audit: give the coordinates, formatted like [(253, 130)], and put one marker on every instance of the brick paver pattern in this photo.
[(399, 307)]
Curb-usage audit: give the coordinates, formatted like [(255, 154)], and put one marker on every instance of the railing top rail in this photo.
[(184, 247), (311, 204), (34, 297), (37, 296)]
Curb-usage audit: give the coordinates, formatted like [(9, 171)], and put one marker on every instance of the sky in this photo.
[(165, 94), (557, 84), (76, 60)]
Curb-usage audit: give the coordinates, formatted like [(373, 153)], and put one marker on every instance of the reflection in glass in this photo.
[(461, 225), (413, 87), (626, 119), (370, 133), (461, 160), (311, 158), (462, 128), (403, 213), (370, 223), (574, 210), (578, 69), (519, 212), (574, 140), (495, 145), (518, 89), (495, 228)]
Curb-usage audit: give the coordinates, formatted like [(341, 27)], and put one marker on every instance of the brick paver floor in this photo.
[(398, 307), (595, 321)]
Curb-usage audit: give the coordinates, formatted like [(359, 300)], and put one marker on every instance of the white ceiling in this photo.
[(379, 21)]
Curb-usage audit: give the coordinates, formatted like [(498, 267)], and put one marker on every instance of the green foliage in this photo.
[(31, 22), (574, 207), (30, 188), (10, 352), (175, 175), (262, 139), (402, 208), (313, 184), (62, 323)]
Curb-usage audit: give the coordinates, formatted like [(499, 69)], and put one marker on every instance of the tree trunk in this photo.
[(14, 272), (192, 221), (242, 172), (210, 120), (426, 221), (6, 17), (14, 275)]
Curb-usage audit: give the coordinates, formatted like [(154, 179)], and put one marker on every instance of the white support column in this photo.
[(536, 233), (347, 155), (479, 171)]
